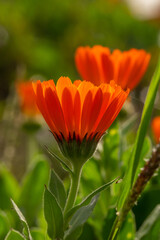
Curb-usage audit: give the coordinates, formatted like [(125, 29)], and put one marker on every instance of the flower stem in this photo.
[(75, 179), (145, 175)]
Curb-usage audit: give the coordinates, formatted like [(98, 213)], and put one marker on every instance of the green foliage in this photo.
[(32, 189), (23, 220), (4, 224), (88, 233), (79, 218), (38, 234), (8, 188), (88, 199), (137, 150), (14, 235), (108, 223), (150, 229), (53, 215)]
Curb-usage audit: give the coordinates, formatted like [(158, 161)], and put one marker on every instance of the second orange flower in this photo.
[(98, 65)]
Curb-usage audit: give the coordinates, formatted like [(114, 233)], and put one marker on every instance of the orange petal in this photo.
[(38, 90), (86, 109), (55, 110), (61, 84), (77, 113), (68, 111)]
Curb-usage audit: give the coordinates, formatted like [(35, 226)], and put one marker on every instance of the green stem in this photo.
[(117, 223), (75, 179)]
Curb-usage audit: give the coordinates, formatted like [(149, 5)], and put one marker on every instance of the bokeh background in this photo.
[(38, 40)]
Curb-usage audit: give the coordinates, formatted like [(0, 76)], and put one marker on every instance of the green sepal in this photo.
[(53, 215), (23, 220), (64, 165), (78, 151), (80, 217), (57, 188), (14, 235)]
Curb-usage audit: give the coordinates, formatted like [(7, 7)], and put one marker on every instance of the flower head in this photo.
[(98, 65), (156, 128), (27, 99), (78, 113)]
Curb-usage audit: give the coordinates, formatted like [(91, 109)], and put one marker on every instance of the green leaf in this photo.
[(64, 165), (80, 217), (88, 232), (75, 234), (14, 235), (23, 220), (33, 188), (53, 215), (148, 227), (8, 188), (38, 234), (4, 224), (108, 223), (57, 188), (142, 130), (128, 228), (88, 198)]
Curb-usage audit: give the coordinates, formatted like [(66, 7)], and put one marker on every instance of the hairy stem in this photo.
[(145, 175)]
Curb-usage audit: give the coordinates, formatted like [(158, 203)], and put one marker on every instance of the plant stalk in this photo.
[(75, 180), (145, 175)]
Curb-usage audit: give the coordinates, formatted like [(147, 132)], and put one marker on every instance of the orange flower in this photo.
[(78, 113), (156, 128), (27, 99), (98, 65)]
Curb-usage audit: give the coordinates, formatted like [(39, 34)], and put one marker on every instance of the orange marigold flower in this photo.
[(27, 99), (98, 65), (156, 128), (78, 113)]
